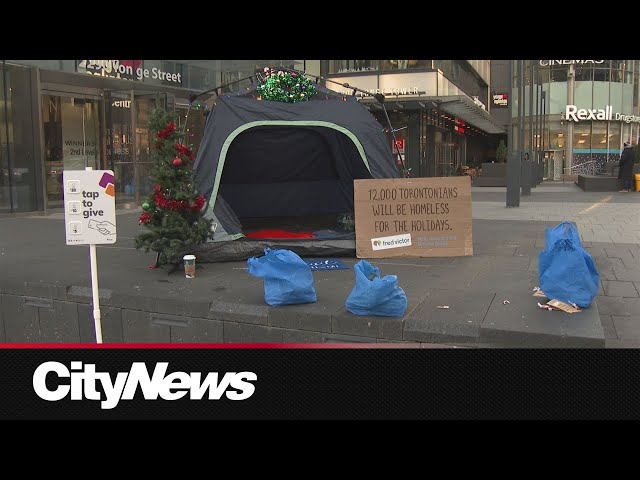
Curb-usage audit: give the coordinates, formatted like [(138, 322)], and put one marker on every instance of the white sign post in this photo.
[(90, 219)]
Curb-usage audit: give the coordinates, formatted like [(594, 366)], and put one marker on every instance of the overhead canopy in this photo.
[(464, 108), (460, 106)]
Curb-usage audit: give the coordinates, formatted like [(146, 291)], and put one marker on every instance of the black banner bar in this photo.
[(318, 384)]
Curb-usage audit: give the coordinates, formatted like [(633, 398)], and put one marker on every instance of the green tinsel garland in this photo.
[(287, 87)]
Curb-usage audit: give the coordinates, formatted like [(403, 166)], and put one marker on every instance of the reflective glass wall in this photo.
[(18, 165), (598, 85)]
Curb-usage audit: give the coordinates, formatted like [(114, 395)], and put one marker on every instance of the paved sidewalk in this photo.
[(226, 304), (600, 217)]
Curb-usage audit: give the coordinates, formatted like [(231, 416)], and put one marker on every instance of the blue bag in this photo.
[(287, 278), (372, 295), (565, 269)]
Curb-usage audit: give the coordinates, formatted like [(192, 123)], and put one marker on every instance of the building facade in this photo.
[(589, 108), (439, 109), (71, 114)]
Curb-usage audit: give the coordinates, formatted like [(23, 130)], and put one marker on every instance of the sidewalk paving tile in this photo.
[(619, 289), (627, 327)]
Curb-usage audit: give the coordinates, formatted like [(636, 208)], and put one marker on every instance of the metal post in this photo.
[(568, 168), (513, 159), (543, 102), (134, 152), (6, 103), (510, 106), (526, 165), (95, 291), (521, 115), (534, 115), (539, 151)]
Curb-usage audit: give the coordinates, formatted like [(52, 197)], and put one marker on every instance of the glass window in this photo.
[(557, 98), (119, 148), (582, 136), (64, 65), (199, 78), (584, 91), (618, 70), (609, 94), (584, 72), (626, 99), (601, 75), (404, 64), (543, 75), (18, 159), (557, 136), (5, 199), (626, 133), (615, 142), (559, 73), (599, 138), (628, 77), (351, 66)]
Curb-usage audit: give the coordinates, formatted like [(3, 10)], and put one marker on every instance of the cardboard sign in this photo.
[(421, 217)]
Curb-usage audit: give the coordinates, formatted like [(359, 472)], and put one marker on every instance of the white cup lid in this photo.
[(189, 257)]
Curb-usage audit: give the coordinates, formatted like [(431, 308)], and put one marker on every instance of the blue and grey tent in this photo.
[(274, 165)]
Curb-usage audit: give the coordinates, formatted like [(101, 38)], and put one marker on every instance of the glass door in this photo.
[(128, 142), (447, 155), (72, 139), (119, 144)]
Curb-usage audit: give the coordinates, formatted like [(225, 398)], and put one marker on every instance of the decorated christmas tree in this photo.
[(173, 214)]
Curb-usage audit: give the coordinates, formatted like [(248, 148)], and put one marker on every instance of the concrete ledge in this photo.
[(460, 323), (598, 183), (345, 322), (485, 181), (313, 317), (235, 312), (85, 295), (522, 324)]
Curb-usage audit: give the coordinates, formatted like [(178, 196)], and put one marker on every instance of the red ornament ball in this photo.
[(177, 162)]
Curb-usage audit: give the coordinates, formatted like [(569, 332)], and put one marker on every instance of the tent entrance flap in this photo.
[(290, 170)]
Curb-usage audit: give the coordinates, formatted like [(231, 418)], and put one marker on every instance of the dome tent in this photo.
[(276, 165)]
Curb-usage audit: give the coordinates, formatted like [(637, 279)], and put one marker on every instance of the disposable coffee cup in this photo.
[(189, 266)]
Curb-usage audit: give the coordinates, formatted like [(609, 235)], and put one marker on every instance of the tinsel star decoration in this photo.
[(285, 86)]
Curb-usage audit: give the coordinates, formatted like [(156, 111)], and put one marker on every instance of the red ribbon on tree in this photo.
[(177, 205), (184, 150), (166, 133)]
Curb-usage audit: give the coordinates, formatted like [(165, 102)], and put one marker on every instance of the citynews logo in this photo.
[(176, 385)]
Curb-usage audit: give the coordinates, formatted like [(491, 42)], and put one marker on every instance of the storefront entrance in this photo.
[(71, 139), (128, 149), (106, 129), (447, 159)]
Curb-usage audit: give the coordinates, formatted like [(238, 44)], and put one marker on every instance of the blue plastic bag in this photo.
[(372, 295), (565, 269), (288, 279)]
